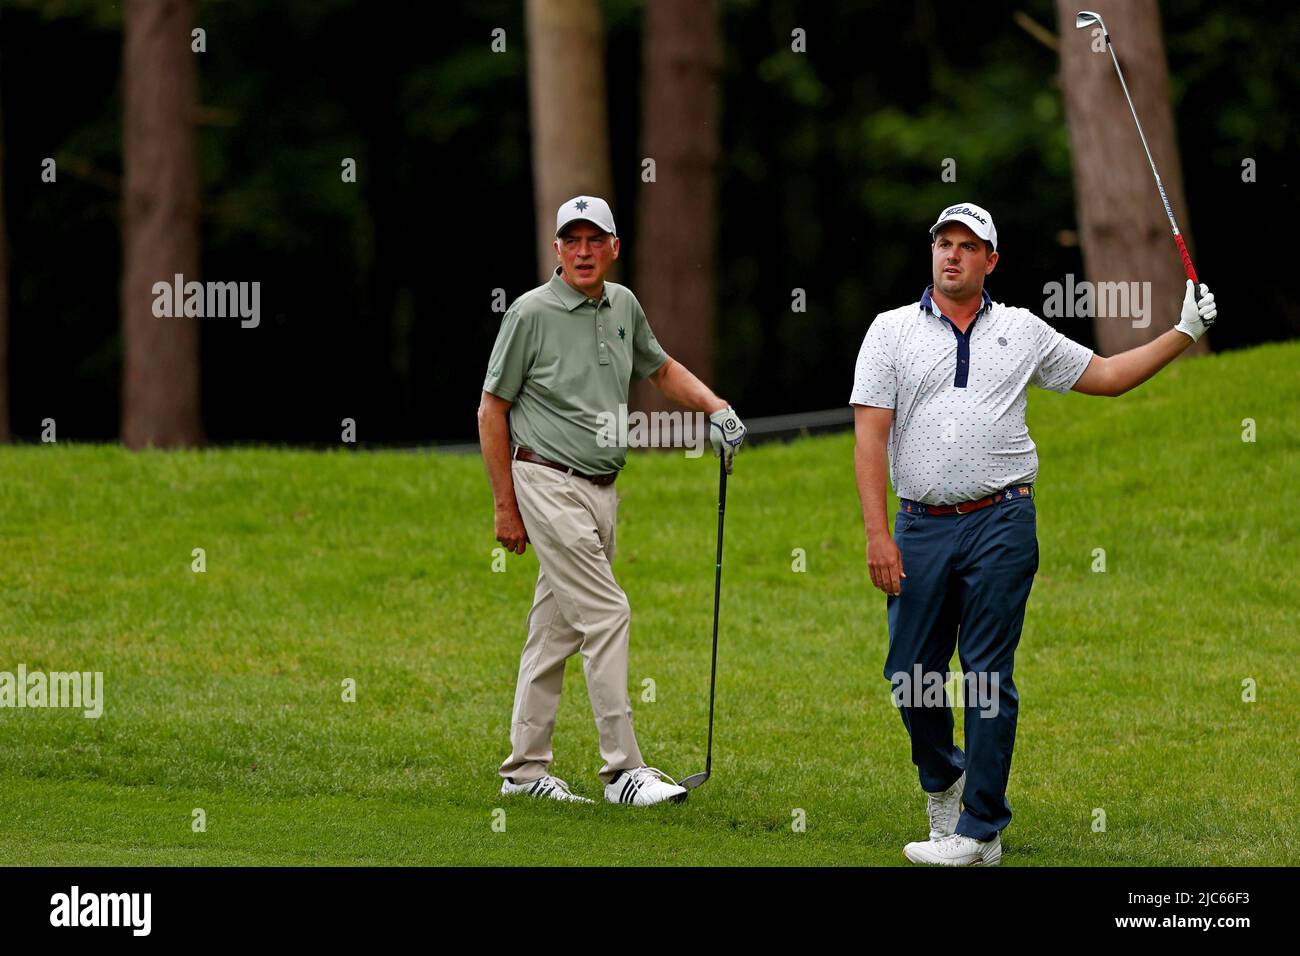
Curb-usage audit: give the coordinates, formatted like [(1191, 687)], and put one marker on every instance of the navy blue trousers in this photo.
[(968, 579)]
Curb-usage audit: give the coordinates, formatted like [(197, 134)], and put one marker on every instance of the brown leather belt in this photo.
[(523, 454), (966, 507)]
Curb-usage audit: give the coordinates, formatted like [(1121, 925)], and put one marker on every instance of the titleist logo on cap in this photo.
[(964, 211)]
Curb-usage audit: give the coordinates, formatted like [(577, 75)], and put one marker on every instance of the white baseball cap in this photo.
[(585, 207), (969, 214)]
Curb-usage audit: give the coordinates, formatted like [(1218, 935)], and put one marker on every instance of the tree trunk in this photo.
[(1123, 229), (566, 87), (160, 384), (677, 222)]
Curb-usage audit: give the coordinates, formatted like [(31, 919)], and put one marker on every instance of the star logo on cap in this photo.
[(581, 205)]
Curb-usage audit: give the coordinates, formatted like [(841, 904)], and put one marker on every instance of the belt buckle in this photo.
[(957, 508)]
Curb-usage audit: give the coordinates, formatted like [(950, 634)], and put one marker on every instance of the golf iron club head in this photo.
[(694, 780), (1086, 18)]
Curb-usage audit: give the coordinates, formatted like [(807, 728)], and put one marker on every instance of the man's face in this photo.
[(959, 261), (585, 253)]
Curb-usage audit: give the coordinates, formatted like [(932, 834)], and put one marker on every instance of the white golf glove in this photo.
[(1197, 317), (726, 432)]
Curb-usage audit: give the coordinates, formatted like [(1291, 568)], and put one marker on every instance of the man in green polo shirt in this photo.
[(560, 367)]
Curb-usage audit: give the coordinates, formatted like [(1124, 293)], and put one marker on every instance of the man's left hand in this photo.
[(1197, 317), (726, 432)]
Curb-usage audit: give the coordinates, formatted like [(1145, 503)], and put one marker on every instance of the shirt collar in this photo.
[(927, 303), (570, 297)]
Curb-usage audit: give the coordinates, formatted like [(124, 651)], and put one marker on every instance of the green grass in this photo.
[(223, 688)]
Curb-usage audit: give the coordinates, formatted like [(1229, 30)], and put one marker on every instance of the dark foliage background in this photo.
[(376, 296)]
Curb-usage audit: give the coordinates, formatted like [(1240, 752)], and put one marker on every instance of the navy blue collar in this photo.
[(927, 303)]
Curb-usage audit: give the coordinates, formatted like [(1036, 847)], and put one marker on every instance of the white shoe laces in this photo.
[(952, 843), (934, 805), (654, 773), (559, 784)]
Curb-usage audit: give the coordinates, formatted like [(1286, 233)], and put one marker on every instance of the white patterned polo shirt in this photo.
[(959, 399)]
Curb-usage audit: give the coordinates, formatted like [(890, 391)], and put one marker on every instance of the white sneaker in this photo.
[(642, 787), (945, 809), (549, 787), (956, 850)]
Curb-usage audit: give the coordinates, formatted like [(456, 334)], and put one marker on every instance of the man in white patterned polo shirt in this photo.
[(939, 399)]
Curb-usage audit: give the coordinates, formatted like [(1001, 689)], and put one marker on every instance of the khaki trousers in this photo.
[(577, 606)]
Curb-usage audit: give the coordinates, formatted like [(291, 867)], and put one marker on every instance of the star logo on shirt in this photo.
[(622, 332), (581, 205)]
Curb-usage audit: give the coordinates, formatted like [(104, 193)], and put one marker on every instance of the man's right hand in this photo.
[(510, 530), (885, 563)]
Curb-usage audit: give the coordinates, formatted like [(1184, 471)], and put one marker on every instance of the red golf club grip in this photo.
[(1187, 260)]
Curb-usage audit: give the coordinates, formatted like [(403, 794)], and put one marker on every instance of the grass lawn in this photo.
[(223, 689)]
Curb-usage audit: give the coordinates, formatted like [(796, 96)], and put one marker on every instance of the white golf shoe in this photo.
[(944, 809), (956, 850), (642, 787), (546, 787)]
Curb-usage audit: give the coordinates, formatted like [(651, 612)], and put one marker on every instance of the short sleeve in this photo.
[(512, 356), (647, 354), (1061, 361), (875, 382)]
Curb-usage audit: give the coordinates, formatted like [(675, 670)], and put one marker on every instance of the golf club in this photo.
[(1086, 18), (695, 780)]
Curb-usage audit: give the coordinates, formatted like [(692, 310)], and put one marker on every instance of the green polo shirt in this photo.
[(561, 359)]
